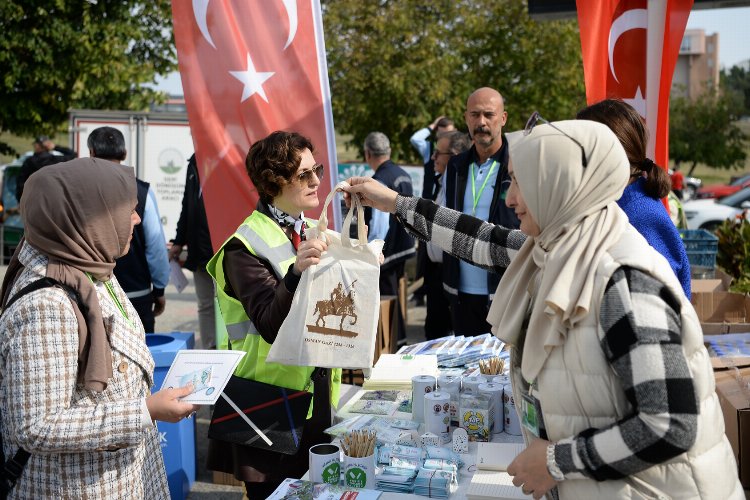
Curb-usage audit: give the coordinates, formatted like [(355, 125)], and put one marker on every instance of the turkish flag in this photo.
[(249, 68), (630, 50)]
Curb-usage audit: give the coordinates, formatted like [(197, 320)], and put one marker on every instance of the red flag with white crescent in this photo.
[(630, 50), (249, 68)]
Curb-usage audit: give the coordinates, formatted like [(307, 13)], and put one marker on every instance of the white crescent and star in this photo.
[(252, 79), (628, 20)]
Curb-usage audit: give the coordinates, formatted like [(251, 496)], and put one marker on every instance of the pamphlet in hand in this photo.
[(177, 276), (208, 371)]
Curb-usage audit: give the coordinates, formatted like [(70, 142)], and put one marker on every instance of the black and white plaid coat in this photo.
[(83, 444)]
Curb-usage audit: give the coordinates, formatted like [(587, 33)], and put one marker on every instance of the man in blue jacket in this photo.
[(144, 272)]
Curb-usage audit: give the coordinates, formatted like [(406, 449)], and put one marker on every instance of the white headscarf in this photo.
[(575, 207)]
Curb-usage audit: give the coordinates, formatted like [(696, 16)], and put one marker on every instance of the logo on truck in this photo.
[(171, 161)]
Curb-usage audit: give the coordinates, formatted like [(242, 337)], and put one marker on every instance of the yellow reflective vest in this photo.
[(265, 239)]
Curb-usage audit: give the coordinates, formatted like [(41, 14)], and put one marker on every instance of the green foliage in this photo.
[(703, 130), (734, 252), (396, 65), (736, 82), (61, 54)]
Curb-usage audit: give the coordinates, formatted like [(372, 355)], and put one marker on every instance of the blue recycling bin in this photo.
[(177, 440)]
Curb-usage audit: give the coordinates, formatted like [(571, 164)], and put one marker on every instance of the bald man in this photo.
[(476, 183)]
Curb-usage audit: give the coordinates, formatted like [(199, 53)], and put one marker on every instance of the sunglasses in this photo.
[(305, 176), (536, 118), (437, 153)]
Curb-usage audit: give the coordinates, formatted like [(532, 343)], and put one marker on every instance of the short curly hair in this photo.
[(272, 162)]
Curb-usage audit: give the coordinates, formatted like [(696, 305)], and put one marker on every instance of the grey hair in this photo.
[(459, 142), (377, 144)]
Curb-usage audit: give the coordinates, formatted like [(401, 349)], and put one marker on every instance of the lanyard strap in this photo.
[(476, 196), (110, 289)]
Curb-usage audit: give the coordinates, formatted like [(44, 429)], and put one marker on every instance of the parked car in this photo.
[(691, 185), (710, 213), (720, 190)]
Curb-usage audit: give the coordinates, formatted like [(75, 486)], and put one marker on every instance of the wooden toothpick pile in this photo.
[(359, 444), (491, 366)]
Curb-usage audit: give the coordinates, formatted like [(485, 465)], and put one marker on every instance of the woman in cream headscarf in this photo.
[(606, 351), (76, 372)]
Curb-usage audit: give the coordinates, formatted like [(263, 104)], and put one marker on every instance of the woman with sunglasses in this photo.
[(257, 271), (608, 367)]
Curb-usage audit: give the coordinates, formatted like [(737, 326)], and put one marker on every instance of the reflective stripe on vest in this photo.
[(277, 256), (238, 331)]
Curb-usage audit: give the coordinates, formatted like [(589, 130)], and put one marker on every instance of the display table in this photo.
[(465, 473)]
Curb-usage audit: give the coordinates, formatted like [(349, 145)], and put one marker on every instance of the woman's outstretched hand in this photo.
[(371, 193)]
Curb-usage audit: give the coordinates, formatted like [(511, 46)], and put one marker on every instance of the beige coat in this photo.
[(83, 444)]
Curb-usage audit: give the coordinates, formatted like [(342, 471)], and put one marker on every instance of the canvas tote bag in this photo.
[(333, 320)]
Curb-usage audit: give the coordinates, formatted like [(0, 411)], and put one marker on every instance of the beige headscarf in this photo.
[(78, 214), (576, 209)]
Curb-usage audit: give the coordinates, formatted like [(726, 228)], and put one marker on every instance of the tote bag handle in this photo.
[(361, 231)]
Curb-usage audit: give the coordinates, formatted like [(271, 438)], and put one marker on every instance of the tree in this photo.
[(60, 54), (396, 65), (703, 131), (736, 81)]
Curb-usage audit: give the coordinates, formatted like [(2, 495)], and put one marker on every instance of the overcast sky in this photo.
[(733, 26)]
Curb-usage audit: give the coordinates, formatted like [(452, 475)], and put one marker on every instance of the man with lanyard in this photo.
[(476, 183)]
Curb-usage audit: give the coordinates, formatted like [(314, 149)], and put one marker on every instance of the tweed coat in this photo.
[(83, 444)]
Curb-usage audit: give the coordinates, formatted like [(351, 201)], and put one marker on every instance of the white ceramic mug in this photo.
[(359, 472), (325, 466)]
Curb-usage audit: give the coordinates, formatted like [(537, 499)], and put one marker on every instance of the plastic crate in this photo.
[(701, 247)]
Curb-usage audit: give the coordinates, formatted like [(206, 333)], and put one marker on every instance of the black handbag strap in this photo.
[(45, 282)]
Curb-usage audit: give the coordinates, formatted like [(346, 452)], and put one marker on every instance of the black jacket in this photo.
[(456, 176), (399, 246), (192, 227)]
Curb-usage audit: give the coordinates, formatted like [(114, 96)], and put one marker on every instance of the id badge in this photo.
[(532, 412)]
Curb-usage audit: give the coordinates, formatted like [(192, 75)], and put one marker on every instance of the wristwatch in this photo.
[(552, 467)]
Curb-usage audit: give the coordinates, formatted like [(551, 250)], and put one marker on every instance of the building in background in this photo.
[(697, 64)]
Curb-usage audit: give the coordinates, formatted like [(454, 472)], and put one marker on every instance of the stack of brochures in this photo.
[(395, 371), (396, 479), (435, 483), (453, 351)]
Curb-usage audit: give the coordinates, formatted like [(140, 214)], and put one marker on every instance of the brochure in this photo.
[(208, 371)]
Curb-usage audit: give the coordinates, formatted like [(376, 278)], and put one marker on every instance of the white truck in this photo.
[(159, 145)]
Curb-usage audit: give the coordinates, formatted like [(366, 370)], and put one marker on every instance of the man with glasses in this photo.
[(438, 321), (424, 141), (476, 183)]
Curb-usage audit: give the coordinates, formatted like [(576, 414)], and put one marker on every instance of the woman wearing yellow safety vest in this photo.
[(257, 271)]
